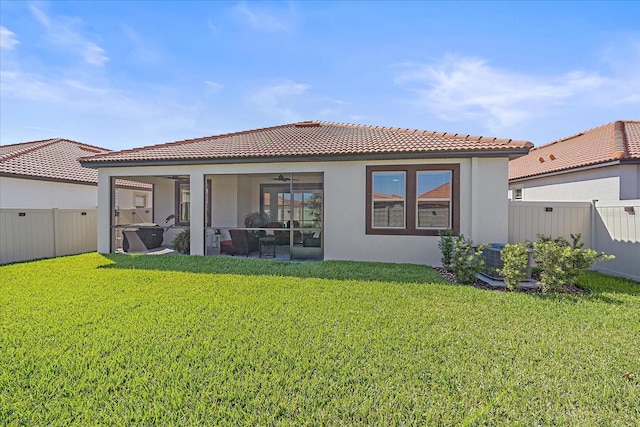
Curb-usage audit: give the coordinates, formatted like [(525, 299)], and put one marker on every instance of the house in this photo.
[(48, 202), (599, 164), (47, 174), (368, 193)]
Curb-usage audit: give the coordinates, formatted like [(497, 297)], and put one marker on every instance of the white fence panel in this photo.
[(76, 231), (555, 219), (615, 226), (27, 234), (617, 232)]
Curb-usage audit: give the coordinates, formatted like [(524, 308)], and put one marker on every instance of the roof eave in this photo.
[(511, 153), (48, 179), (607, 163)]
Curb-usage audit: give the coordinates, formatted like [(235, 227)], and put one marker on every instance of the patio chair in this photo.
[(239, 242)]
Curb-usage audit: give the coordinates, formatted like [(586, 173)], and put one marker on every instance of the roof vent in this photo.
[(552, 157), (541, 159), (307, 124)]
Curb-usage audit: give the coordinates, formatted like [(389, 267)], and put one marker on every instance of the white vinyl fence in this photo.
[(609, 227), (27, 234)]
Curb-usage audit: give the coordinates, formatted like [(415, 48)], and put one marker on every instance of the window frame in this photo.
[(135, 201), (178, 196), (411, 199), (402, 200), (435, 199), (518, 194)]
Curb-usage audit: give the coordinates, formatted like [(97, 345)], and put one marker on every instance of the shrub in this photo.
[(515, 259), (446, 244), (562, 263), (467, 261), (182, 242)]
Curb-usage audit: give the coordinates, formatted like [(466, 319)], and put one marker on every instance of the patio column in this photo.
[(105, 206), (196, 189)]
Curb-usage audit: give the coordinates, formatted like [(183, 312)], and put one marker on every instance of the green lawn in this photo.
[(177, 340)]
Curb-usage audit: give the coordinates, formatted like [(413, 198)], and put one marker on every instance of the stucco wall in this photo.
[(619, 182), (483, 204), (16, 193)]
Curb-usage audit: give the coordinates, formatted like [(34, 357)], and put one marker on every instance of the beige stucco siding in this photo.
[(617, 182), (483, 204), (18, 193)]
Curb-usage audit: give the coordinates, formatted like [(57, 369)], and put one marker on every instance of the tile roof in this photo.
[(312, 139), (53, 159), (614, 141)]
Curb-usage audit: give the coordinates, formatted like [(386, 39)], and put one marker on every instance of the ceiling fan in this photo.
[(283, 178)]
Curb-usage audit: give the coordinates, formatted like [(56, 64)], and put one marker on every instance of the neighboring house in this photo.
[(47, 174), (48, 202), (368, 193), (599, 164)]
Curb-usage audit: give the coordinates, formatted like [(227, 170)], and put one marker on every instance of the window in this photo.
[(433, 195), (389, 199), (140, 201), (517, 194), (412, 199), (183, 203)]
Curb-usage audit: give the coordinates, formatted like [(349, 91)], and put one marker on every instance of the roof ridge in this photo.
[(566, 138), (193, 140), (411, 131), (620, 144), (40, 144)]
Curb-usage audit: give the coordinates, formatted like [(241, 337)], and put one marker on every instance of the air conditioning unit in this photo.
[(493, 262)]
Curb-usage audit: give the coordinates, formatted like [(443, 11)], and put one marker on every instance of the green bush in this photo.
[(446, 244), (515, 259), (562, 263), (182, 242), (467, 262)]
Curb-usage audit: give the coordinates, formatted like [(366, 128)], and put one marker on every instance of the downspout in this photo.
[(474, 199)]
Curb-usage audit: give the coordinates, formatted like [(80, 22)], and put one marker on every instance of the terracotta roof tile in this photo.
[(613, 141), (310, 139), (53, 159)]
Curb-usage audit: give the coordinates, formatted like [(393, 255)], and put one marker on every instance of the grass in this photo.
[(178, 340)]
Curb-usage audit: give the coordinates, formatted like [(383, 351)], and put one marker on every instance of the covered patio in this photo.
[(275, 215)]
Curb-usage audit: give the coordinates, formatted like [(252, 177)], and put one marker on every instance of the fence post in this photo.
[(56, 226), (594, 212)]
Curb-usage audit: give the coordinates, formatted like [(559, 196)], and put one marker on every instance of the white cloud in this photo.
[(459, 89), (263, 19), (279, 99), (63, 32), (7, 39), (213, 86)]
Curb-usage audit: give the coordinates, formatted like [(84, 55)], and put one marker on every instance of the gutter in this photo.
[(511, 153)]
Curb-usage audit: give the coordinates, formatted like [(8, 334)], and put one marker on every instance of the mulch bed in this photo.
[(567, 289)]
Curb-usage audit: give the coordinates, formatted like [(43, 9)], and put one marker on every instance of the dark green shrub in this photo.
[(182, 242), (467, 261), (515, 259), (561, 263), (446, 244)]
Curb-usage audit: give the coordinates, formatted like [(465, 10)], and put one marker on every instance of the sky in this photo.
[(125, 74)]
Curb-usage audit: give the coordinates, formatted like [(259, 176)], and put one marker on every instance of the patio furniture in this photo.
[(282, 232), (239, 242), (314, 241), (267, 247), (142, 237)]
